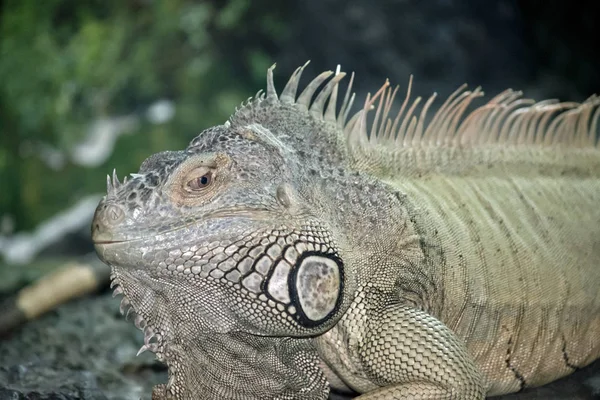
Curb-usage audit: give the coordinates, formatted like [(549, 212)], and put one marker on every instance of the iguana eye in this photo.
[(200, 182)]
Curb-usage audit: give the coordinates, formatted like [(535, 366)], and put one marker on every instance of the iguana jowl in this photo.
[(288, 250)]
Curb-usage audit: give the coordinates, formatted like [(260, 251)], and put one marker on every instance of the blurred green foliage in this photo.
[(67, 63)]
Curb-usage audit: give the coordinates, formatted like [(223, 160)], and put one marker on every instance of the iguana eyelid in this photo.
[(182, 186), (197, 174)]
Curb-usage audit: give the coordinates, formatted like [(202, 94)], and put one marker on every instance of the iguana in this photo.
[(295, 248)]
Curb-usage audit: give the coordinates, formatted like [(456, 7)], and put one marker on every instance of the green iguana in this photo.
[(293, 249)]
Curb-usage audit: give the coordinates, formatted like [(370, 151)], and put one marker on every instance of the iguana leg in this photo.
[(412, 355)]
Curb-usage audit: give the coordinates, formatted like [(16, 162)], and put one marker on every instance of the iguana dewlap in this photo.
[(294, 248)]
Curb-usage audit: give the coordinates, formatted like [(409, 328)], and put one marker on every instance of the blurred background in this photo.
[(88, 86)]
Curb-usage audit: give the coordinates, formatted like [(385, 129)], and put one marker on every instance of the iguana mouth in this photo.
[(250, 213), (105, 242)]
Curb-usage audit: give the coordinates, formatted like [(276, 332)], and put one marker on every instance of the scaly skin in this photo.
[(284, 252)]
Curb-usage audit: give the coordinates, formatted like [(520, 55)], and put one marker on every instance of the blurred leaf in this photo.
[(231, 15)]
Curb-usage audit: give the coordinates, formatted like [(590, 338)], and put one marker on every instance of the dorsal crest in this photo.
[(508, 128)]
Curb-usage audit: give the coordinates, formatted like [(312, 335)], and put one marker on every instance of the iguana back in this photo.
[(507, 209)]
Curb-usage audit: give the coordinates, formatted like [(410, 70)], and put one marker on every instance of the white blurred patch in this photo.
[(101, 138), (22, 247), (160, 112)]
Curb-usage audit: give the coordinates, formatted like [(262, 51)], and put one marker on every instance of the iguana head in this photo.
[(240, 232), (231, 229)]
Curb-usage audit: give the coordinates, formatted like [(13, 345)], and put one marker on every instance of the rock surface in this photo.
[(83, 350)]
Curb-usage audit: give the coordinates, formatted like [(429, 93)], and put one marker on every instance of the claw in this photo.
[(152, 347), (148, 335), (142, 349), (124, 305), (139, 322), (117, 291)]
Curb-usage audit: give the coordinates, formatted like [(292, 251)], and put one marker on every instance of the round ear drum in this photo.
[(316, 287)]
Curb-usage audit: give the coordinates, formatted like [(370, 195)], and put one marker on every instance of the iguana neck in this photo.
[(232, 360)]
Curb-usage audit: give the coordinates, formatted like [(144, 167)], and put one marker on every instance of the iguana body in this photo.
[(287, 251)]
